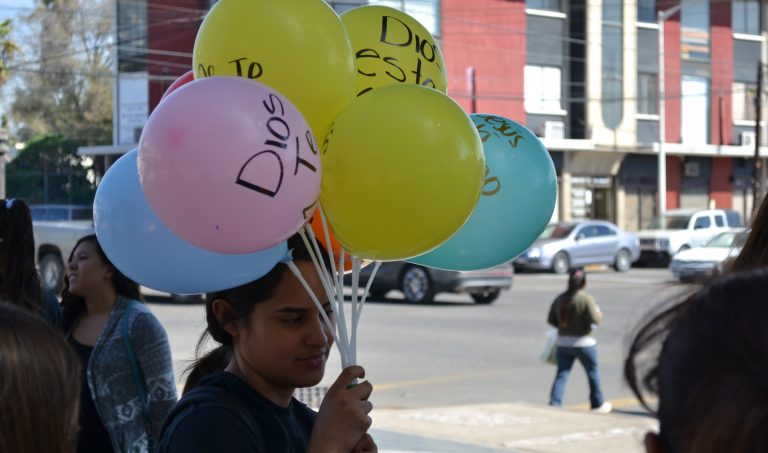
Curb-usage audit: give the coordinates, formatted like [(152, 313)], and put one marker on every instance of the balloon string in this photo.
[(342, 320), (291, 265), (355, 314), (359, 306), (314, 253)]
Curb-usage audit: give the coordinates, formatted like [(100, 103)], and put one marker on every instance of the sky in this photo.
[(11, 8)]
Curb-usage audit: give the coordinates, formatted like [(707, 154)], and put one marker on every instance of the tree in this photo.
[(8, 48), (49, 170), (66, 79)]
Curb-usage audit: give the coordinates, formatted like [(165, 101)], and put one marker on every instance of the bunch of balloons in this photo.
[(289, 107)]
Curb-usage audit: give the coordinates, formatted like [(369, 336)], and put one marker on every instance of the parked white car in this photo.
[(701, 262), (679, 229)]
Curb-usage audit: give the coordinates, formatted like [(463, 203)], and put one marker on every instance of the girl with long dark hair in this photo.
[(704, 357), (128, 385), (272, 340), (574, 313), (19, 281)]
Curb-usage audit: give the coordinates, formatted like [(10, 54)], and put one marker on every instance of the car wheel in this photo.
[(561, 264), (52, 272), (416, 285), (486, 297), (623, 261)]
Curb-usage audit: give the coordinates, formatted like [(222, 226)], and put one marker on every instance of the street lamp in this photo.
[(662, 177)]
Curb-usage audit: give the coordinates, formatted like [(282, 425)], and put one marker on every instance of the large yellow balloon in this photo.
[(403, 167), (392, 47), (298, 47)]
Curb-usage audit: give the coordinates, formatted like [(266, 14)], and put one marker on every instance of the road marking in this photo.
[(435, 380)]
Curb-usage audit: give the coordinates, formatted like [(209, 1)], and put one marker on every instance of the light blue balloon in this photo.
[(516, 203), (146, 251)]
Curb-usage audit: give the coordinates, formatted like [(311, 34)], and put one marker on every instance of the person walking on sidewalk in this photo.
[(574, 313)]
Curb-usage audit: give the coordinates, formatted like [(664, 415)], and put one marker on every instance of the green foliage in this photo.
[(49, 170), (8, 48)]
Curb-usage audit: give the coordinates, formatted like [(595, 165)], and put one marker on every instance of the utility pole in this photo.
[(756, 175), (472, 88)]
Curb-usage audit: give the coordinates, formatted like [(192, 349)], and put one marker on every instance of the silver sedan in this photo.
[(568, 245)]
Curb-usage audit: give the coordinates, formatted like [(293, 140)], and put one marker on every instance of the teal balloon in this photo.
[(516, 203)]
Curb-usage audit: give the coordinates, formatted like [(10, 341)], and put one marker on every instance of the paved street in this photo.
[(453, 353)]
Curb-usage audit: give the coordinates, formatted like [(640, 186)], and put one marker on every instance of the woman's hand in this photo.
[(343, 420), (366, 445)]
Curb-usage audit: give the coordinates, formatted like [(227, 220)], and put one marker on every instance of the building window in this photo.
[(745, 16), (542, 89), (647, 94), (695, 110), (427, 12), (743, 98), (694, 39), (646, 11), (613, 64), (547, 5)]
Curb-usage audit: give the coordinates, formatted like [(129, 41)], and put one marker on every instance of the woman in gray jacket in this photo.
[(128, 384)]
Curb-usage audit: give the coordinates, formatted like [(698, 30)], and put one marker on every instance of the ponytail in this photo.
[(576, 281)]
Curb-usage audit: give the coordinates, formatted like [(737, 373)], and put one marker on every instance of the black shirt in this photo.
[(218, 427), (93, 436)]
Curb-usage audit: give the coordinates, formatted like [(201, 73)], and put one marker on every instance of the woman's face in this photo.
[(86, 271), (284, 341)]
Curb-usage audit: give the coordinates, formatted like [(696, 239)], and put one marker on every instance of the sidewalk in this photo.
[(513, 427)]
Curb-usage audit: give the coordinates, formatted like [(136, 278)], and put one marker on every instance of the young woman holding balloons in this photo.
[(272, 339)]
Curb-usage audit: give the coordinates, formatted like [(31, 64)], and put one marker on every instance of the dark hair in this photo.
[(39, 376), (754, 253), (19, 280), (576, 281), (242, 299), (73, 306), (705, 357)]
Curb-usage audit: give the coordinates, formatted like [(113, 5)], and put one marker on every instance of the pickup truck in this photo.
[(679, 229), (57, 229)]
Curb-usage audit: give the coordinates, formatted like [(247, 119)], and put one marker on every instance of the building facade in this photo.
[(584, 76)]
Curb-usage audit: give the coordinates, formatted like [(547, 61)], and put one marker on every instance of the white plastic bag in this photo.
[(549, 355)]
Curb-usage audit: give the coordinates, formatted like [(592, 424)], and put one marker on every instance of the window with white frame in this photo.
[(745, 16), (543, 89), (743, 101), (547, 5), (647, 93)]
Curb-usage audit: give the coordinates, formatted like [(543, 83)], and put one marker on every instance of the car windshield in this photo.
[(722, 240), (556, 231), (670, 222)]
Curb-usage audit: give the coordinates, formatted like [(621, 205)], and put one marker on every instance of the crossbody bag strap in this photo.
[(138, 382)]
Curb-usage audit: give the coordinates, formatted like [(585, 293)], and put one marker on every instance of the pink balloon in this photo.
[(230, 165), (181, 81)]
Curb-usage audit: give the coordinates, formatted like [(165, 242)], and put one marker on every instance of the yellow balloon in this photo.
[(403, 167), (392, 47), (298, 47)]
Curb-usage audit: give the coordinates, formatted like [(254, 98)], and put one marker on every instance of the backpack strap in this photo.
[(209, 396)]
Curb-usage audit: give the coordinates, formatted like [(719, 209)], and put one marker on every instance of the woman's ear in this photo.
[(109, 273), (653, 443), (222, 310)]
